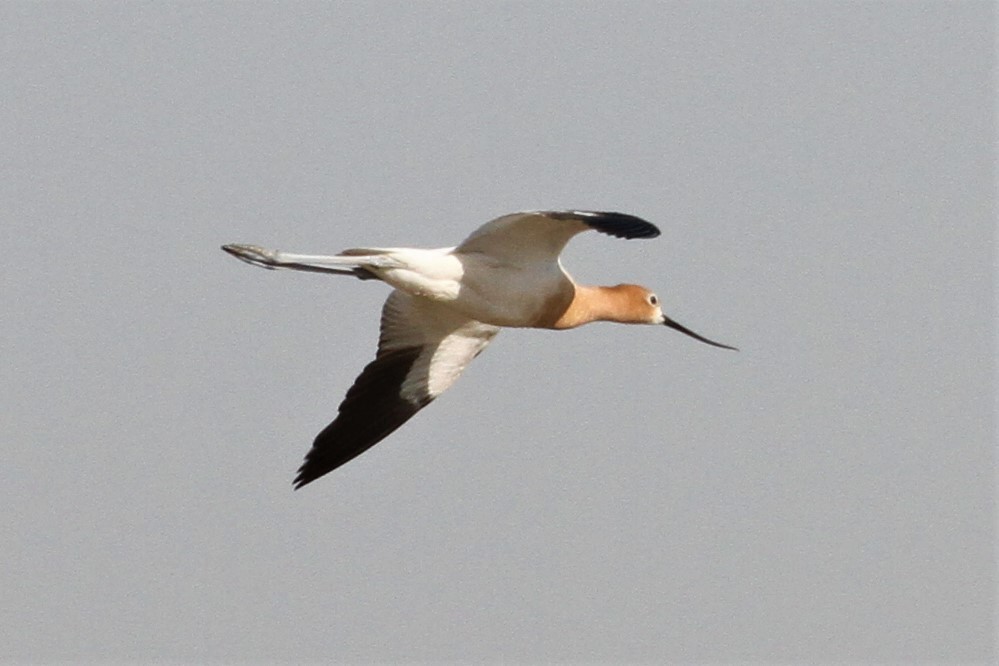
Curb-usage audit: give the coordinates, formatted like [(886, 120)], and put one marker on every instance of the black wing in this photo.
[(372, 409), (619, 225), (422, 349)]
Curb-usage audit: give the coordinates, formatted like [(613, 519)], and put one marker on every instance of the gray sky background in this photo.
[(824, 177)]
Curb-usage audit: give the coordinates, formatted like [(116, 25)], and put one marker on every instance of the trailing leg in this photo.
[(275, 259)]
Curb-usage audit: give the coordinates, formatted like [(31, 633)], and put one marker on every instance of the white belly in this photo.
[(508, 295), (475, 285)]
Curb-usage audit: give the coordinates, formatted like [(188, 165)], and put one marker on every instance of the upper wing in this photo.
[(541, 235), (422, 349)]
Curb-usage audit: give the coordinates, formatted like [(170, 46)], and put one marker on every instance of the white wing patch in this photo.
[(523, 238), (437, 367), (447, 341)]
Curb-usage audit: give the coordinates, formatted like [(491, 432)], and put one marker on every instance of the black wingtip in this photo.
[(300, 481), (370, 412), (619, 225), (312, 468)]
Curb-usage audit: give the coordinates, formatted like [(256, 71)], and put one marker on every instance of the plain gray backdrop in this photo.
[(824, 177)]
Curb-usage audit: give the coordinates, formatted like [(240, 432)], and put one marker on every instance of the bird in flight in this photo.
[(447, 304)]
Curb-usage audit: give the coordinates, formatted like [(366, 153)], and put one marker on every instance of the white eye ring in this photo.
[(653, 299)]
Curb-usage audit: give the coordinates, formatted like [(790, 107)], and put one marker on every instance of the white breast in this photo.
[(503, 295)]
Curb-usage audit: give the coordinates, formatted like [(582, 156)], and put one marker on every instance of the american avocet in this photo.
[(448, 303)]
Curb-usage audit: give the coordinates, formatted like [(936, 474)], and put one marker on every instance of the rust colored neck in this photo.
[(595, 304)]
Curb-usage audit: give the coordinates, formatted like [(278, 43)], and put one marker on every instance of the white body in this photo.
[(448, 303)]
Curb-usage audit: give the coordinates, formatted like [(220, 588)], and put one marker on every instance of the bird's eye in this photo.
[(653, 299)]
